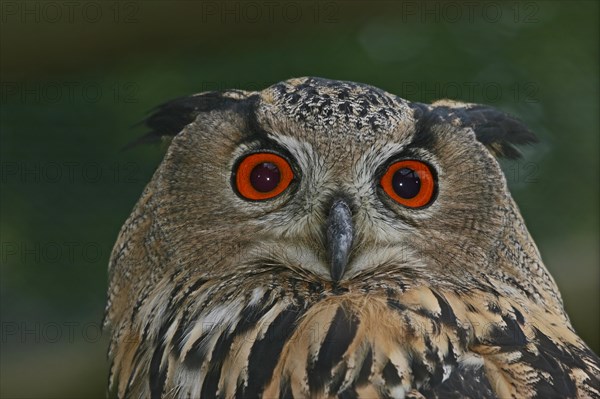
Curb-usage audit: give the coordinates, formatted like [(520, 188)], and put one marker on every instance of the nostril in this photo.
[(341, 200), (340, 206)]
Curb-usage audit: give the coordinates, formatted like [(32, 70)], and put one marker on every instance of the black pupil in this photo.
[(406, 183), (265, 177)]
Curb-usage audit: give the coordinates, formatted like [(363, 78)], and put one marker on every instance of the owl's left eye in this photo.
[(262, 175), (409, 182)]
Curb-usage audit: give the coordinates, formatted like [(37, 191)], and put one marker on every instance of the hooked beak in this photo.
[(340, 233)]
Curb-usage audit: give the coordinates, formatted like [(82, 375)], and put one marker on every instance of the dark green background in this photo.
[(76, 80)]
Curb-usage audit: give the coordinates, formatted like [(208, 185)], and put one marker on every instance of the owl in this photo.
[(327, 239)]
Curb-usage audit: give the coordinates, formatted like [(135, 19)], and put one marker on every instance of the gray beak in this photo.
[(340, 234)]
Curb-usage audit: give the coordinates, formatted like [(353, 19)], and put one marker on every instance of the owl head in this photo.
[(332, 182)]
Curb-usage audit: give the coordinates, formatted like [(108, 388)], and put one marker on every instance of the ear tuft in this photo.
[(170, 118), (498, 131)]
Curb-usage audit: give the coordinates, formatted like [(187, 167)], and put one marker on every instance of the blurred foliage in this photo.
[(74, 84)]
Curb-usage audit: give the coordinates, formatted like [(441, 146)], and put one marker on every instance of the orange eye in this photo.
[(262, 176), (410, 183)]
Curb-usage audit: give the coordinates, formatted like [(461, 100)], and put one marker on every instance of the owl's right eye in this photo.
[(262, 176)]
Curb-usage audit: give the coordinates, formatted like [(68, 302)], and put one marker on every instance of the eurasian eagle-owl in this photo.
[(323, 238)]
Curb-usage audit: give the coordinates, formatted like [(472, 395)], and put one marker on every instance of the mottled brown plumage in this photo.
[(212, 295)]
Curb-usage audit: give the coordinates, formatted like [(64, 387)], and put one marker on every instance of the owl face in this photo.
[(333, 180)]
